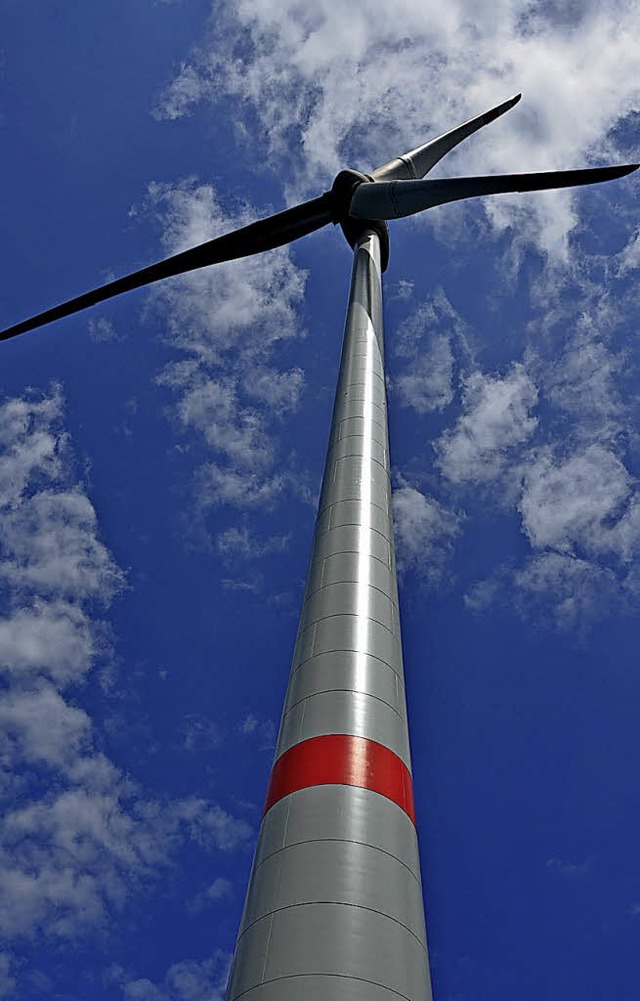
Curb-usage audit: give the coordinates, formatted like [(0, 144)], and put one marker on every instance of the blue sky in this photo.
[(161, 458)]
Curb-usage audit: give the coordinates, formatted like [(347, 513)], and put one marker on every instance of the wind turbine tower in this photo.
[(334, 908)]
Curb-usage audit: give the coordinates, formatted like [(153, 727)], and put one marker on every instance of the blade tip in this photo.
[(500, 109), (624, 169)]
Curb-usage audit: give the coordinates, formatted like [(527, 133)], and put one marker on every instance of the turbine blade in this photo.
[(395, 199), (419, 161), (266, 234)]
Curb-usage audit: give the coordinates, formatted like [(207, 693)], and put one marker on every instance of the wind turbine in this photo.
[(334, 907)]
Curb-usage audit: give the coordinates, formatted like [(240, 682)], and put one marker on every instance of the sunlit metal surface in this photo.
[(334, 907)]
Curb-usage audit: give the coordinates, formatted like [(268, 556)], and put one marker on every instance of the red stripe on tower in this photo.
[(342, 759)]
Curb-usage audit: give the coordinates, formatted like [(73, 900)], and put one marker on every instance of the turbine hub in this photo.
[(342, 192)]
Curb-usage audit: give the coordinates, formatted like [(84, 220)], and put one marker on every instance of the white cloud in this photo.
[(211, 407), (64, 863), (424, 532), (252, 584), (581, 504), (402, 290), (143, 990), (50, 545), (583, 382), (219, 889), (69, 859), (263, 730), (580, 513), (574, 870), (241, 489), (38, 726), (630, 256), (565, 592), (102, 330), (185, 90), (426, 385), (56, 638), (323, 98), (581, 320), (209, 825), (237, 542), (246, 307), (51, 564), (496, 419), (228, 322), (481, 595), (190, 980), (51, 559), (200, 734), (280, 391), (350, 83), (31, 448), (423, 343), (76, 837)]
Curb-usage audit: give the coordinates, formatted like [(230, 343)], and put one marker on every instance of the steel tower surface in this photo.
[(334, 906)]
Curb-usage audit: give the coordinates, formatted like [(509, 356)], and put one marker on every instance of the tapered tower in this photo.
[(334, 906)]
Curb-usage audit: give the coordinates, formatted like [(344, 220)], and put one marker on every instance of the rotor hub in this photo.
[(342, 191)]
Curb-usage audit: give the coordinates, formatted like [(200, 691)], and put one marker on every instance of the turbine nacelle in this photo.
[(392, 191)]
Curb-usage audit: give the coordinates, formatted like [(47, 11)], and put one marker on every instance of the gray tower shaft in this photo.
[(334, 908)]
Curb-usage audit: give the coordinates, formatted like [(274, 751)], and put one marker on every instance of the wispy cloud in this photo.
[(262, 730), (190, 980), (324, 96), (219, 889), (319, 99), (227, 323), (569, 593), (583, 503), (497, 417), (102, 330), (574, 870), (53, 567), (255, 301), (423, 345), (553, 439), (77, 837), (424, 532), (239, 544)]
